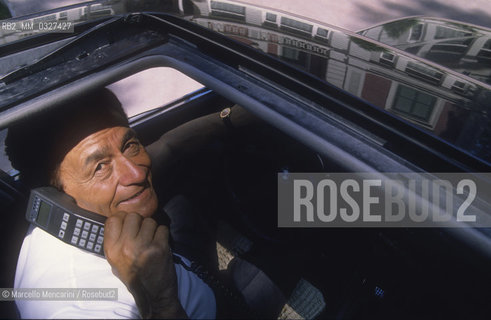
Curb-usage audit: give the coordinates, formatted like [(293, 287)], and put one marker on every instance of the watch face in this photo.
[(225, 113)]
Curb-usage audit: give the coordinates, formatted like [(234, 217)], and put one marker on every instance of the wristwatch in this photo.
[(225, 116)]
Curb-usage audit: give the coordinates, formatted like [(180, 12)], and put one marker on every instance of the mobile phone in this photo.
[(57, 213)]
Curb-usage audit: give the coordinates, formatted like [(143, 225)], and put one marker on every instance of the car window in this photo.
[(138, 93), (152, 88)]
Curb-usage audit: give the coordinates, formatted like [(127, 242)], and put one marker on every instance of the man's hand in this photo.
[(139, 253)]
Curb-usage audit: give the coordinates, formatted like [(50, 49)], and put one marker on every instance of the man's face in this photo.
[(108, 172)]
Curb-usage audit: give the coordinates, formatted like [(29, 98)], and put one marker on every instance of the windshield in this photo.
[(464, 48)]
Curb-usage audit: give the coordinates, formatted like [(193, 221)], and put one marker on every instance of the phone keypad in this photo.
[(74, 229), (87, 226), (88, 236), (63, 225), (74, 240)]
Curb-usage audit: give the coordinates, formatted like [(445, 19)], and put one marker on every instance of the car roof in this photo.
[(437, 100)]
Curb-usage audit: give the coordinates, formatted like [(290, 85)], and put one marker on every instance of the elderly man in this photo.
[(87, 150)]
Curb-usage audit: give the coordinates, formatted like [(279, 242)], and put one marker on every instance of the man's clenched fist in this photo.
[(139, 253)]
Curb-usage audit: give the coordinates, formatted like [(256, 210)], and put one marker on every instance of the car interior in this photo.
[(230, 173)]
